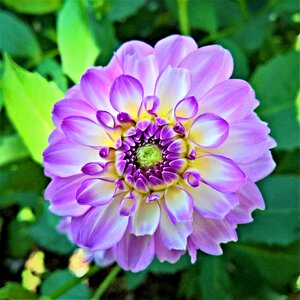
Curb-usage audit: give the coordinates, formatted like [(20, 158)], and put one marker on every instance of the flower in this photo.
[(157, 154)]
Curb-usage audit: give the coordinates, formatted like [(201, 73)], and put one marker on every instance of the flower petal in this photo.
[(126, 95), (100, 228), (178, 204), (210, 203), (171, 50), (233, 100), (208, 66), (135, 253), (208, 131), (146, 217), (172, 85), (66, 158), (85, 132), (104, 258), (186, 109), (220, 173), (95, 192), (173, 236), (61, 192), (250, 199), (208, 234)]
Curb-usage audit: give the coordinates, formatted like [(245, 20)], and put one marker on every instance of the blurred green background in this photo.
[(46, 45)]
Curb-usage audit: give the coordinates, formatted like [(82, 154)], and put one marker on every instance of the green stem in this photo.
[(183, 17), (244, 10), (63, 289), (106, 282)]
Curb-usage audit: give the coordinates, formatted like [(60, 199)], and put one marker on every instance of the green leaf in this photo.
[(134, 280), (277, 84), (15, 291), (202, 15), (76, 45), (122, 9), (277, 265), (51, 69), (228, 13), (45, 234), (12, 149), (19, 242), (57, 279), (29, 100), (279, 223), (35, 7), (17, 38)]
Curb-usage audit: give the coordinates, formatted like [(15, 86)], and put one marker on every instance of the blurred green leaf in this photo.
[(241, 64), (12, 149), (19, 242), (277, 84), (134, 280), (76, 45), (15, 291), (228, 13), (279, 223), (277, 265), (51, 70), (157, 267), (35, 7), (45, 234), (57, 279), (29, 100), (122, 9), (17, 38), (285, 6)]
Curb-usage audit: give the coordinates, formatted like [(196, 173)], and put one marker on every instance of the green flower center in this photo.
[(148, 155)]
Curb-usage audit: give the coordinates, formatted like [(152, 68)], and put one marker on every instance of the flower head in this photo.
[(157, 154)]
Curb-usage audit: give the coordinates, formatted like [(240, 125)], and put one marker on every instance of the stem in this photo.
[(183, 17), (61, 290), (244, 10), (106, 282)]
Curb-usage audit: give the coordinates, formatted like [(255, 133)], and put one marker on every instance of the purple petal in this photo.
[(135, 253), (208, 131), (61, 192), (169, 177), (106, 119), (220, 173), (192, 177), (186, 109), (95, 192), (85, 131), (171, 50), (232, 100), (179, 165), (104, 258), (127, 206), (100, 228), (151, 104), (178, 204), (208, 234), (208, 66), (126, 95), (178, 146)]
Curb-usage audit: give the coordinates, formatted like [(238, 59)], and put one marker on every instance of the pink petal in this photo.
[(208, 131), (208, 66), (171, 50)]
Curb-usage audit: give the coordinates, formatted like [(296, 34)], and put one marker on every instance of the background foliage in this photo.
[(46, 45)]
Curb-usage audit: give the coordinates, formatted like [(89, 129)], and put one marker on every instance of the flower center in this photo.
[(148, 155)]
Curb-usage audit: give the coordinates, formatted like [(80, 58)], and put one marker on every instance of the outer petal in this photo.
[(72, 107), (220, 173), (126, 95), (62, 195), (95, 192), (100, 228), (173, 236), (233, 100), (208, 131), (210, 203), (104, 257), (178, 204), (146, 217), (208, 234), (67, 158), (250, 199), (208, 66), (135, 253), (85, 132), (172, 85), (260, 168), (171, 50)]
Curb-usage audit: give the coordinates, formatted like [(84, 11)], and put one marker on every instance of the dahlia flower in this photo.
[(157, 154)]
